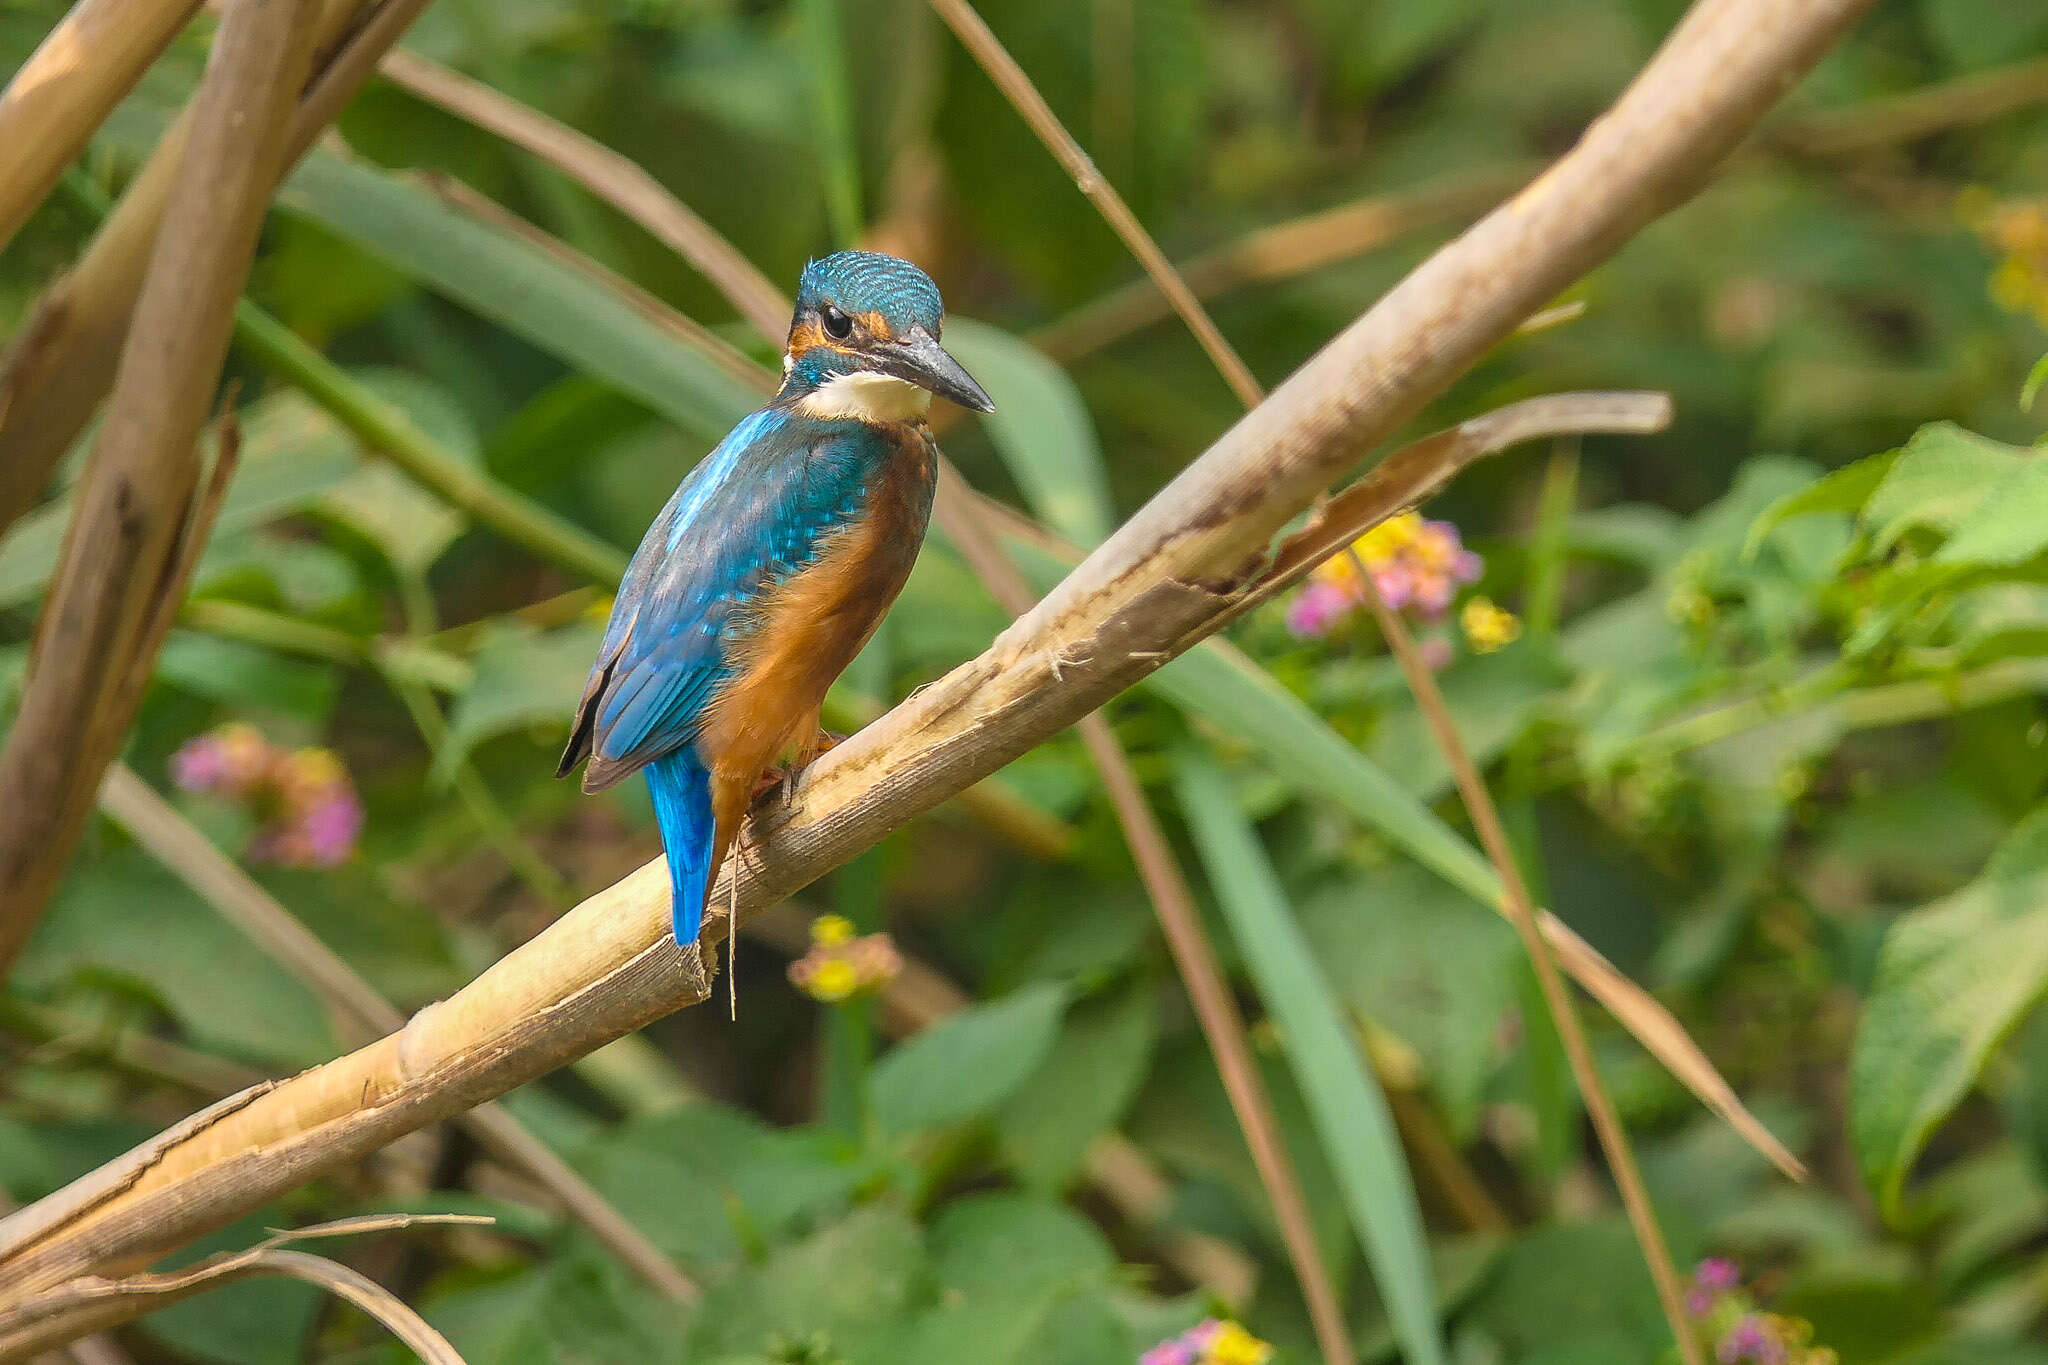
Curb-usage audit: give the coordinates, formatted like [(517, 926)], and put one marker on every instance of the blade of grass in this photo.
[(1348, 1108), (1621, 1160), (839, 150)]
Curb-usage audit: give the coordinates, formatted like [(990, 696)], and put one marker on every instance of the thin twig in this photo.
[(122, 552), (363, 1013), (609, 966), (1282, 251), (1479, 805), (612, 177), (988, 50), (1977, 97), (91, 1304), (62, 94), (1193, 955)]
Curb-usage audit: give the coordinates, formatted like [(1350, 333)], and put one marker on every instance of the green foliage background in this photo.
[(1772, 739)]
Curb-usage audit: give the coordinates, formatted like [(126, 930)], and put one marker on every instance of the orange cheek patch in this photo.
[(877, 326)]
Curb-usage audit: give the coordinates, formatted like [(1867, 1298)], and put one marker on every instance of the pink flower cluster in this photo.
[(1742, 1335), (309, 808), (1416, 565), (1210, 1342)]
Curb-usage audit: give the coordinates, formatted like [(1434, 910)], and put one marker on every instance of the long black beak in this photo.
[(916, 356)]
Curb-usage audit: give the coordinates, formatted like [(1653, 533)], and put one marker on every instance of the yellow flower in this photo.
[(832, 981), (831, 930), (1489, 627), (1232, 1345)]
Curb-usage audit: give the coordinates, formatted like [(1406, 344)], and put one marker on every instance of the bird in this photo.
[(771, 566)]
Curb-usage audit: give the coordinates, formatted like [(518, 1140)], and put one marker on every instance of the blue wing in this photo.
[(753, 512)]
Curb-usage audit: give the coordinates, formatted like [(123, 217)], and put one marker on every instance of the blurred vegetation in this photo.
[(1770, 734)]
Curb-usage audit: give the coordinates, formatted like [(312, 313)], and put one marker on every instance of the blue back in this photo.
[(753, 512)]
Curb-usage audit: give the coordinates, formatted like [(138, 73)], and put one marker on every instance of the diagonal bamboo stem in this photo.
[(365, 1014), (123, 547), (53, 104), (59, 366)]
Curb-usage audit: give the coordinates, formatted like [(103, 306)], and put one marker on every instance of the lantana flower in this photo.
[(1417, 566), (841, 965), (311, 814), (1210, 1342)]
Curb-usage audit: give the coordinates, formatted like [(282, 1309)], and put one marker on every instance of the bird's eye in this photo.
[(838, 326)]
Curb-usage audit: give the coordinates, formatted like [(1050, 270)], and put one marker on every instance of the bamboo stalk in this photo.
[(58, 367), (121, 552), (62, 94), (608, 966)]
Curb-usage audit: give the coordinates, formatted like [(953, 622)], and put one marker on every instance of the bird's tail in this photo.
[(682, 808)]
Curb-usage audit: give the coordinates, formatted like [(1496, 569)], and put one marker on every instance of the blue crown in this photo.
[(869, 282)]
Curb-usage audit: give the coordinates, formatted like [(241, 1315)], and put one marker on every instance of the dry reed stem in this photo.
[(62, 93), (123, 552), (363, 1013), (94, 1304), (607, 967), (989, 52), (1282, 251), (1521, 913), (1194, 956), (57, 368), (611, 176)]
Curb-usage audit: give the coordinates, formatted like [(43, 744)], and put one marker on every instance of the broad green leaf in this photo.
[(1844, 490), (1041, 428), (1953, 978), (125, 916), (841, 1284), (988, 1243), (1343, 1096), (570, 1307), (2009, 527), (967, 1063), (1082, 1089), (247, 676), (410, 525), (1940, 477), (524, 289), (523, 678), (1425, 962), (291, 455), (1563, 1285)]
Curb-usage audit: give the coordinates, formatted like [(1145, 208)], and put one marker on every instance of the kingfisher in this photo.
[(771, 566)]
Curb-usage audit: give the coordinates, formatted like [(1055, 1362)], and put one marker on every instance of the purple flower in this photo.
[(1318, 609), (199, 765), (1717, 1275), (1751, 1339), (331, 828)]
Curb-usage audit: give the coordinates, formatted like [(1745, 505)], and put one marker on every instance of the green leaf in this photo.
[(126, 916), (247, 676), (291, 454), (967, 1063), (410, 525), (522, 288), (842, 1284), (1042, 430), (1343, 1096), (1953, 978), (1083, 1087), (1424, 961), (1845, 490), (522, 678), (2031, 390), (1940, 477), (2009, 527)]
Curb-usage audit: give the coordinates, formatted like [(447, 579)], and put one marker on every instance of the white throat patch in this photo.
[(867, 397)]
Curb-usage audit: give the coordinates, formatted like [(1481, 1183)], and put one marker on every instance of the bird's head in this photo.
[(865, 342)]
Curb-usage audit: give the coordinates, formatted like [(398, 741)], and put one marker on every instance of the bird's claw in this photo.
[(786, 775)]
